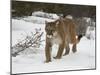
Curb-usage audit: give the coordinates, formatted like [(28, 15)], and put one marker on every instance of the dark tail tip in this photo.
[(80, 36)]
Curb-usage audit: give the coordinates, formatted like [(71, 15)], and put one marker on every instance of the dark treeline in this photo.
[(20, 8)]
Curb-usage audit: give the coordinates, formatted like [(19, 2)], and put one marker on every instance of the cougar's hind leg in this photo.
[(67, 50), (74, 49), (74, 42)]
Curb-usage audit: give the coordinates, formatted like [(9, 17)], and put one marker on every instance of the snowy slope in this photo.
[(21, 28), (83, 59), (34, 62)]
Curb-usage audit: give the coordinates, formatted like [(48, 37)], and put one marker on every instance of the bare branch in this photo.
[(30, 41)]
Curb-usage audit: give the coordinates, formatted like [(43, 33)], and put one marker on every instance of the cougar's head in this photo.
[(51, 29)]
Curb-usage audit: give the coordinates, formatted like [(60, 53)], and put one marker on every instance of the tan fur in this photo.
[(63, 32)]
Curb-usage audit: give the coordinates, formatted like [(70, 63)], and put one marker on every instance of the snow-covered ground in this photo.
[(33, 61)]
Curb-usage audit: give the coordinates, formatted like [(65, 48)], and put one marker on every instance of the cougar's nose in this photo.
[(50, 33)]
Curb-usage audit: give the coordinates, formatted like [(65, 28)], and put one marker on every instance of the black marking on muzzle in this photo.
[(50, 33)]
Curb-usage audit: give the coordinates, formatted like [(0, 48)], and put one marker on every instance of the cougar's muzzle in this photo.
[(49, 34)]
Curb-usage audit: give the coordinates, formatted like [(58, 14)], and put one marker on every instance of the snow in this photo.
[(33, 61), (45, 15), (87, 19), (37, 20), (69, 17), (90, 33)]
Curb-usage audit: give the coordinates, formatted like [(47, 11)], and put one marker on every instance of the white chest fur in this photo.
[(56, 40)]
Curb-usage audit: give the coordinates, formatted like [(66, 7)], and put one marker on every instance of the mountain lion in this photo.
[(61, 32)]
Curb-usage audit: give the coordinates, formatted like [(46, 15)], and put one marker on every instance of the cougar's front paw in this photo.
[(74, 50), (57, 57), (47, 61)]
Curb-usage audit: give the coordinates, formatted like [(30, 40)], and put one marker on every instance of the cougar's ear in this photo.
[(57, 23)]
